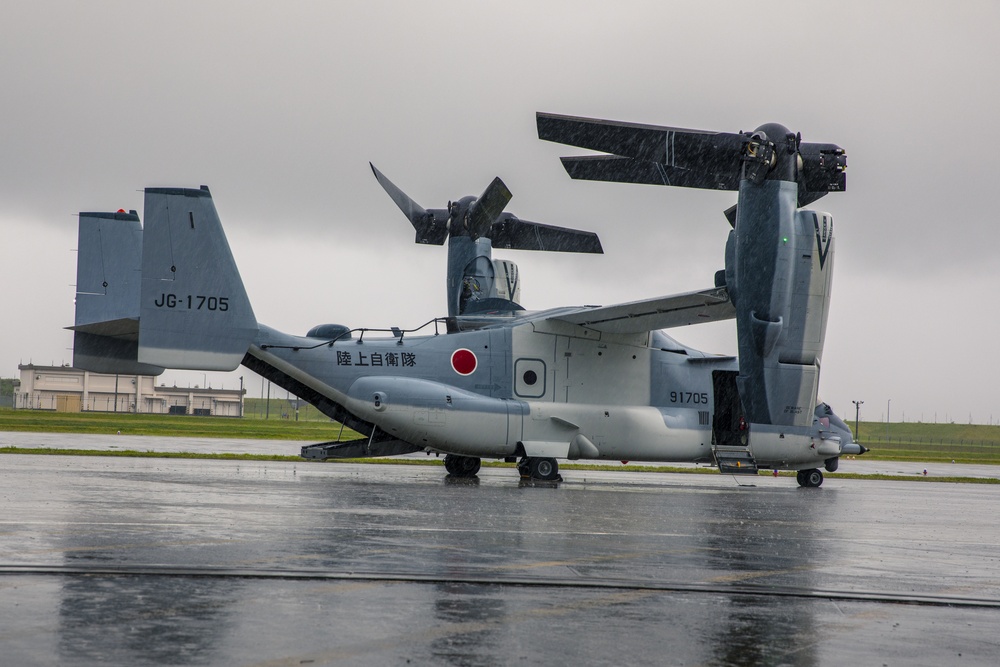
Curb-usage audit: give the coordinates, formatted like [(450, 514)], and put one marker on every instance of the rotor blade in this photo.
[(411, 209), (488, 207), (431, 226), (627, 170), (696, 150), (510, 232)]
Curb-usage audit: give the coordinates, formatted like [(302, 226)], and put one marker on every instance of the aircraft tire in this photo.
[(809, 479), (462, 466), (543, 468)]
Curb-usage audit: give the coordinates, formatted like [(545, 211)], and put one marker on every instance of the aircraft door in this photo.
[(728, 410)]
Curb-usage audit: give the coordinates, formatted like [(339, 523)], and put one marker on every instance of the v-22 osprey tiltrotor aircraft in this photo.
[(578, 383)]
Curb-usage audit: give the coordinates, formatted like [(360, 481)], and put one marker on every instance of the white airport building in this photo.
[(68, 389)]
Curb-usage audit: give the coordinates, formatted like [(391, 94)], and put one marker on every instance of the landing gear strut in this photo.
[(537, 467), (809, 478), (461, 466)]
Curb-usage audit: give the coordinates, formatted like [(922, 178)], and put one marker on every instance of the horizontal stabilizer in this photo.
[(126, 327), (110, 347), (711, 305), (194, 309), (110, 354), (510, 232)]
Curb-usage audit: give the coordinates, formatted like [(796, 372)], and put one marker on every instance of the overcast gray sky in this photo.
[(279, 107)]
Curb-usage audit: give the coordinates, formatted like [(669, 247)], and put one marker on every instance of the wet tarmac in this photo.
[(142, 443), (184, 562)]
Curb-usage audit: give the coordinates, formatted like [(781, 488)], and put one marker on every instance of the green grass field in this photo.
[(962, 443), (910, 441), (315, 427)]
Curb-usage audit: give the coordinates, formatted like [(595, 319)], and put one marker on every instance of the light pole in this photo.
[(887, 406), (857, 413)]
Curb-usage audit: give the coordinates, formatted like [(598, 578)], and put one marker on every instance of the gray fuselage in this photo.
[(523, 386)]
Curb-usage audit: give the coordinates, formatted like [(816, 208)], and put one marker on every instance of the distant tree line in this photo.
[(7, 386), (7, 392)]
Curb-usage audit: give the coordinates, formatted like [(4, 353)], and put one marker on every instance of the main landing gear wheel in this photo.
[(462, 466), (544, 469), (809, 478)]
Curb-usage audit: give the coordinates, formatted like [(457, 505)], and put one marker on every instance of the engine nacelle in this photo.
[(779, 268), (477, 283), (507, 280)]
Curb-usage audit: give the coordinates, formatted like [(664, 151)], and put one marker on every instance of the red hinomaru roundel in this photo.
[(464, 361)]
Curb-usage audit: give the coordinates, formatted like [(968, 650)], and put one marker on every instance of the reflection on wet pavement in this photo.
[(147, 561)]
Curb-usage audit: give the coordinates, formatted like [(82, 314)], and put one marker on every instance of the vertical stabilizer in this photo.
[(109, 267), (108, 276), (194, 311)]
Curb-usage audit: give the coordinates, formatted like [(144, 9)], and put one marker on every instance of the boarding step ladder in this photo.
[(734, 460)]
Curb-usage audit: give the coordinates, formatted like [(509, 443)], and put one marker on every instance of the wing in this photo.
[(665, 312)]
